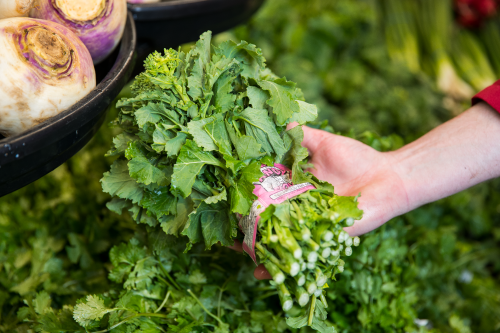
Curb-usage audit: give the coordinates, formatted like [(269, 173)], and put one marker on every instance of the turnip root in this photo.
[(98, 23), (45, 69)]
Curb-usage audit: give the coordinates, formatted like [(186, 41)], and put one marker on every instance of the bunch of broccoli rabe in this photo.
[(195, 134)]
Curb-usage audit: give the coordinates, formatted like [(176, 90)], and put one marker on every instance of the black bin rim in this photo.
[(174, 9), (48, 134)]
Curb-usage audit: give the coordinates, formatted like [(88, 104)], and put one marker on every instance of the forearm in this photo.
[(454, 156)]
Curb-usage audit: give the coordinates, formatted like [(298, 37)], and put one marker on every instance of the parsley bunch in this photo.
[(196, 130)]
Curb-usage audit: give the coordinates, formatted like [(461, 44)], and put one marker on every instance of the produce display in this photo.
[(204, 138), (15, 8), (45, 70), (69, 264), (454, 41), (98, 23), (46, 65)]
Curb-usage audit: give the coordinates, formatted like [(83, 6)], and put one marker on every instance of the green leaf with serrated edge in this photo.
[(41, 303), (57, 321), (140, 215), (193, 111), (92, 309), (307, 112), (260, 120), (346, 207), (241, 192), (161, 136), (141, 168), (296, 153), (222, 196), (159, 202), (282, 99), (120, 144), (257, 97), (200, 135), (150, 113), (154, 95), (172, 147), (224, 97), (123, 257), (250, 56), (189, 163), (218, 133), (233, 164), (196, 79), (203, 46), (117, 205), (173, 224), (154, 112), (246, 146), (211, 223), (260, 136), (118, 182)]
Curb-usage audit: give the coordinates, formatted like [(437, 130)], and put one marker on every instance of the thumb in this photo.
[(314, 139)]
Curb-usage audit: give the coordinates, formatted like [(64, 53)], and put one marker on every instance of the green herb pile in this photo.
[(197, 129), (432, 270)]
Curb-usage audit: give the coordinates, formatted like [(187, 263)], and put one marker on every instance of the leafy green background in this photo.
[(436, 266)]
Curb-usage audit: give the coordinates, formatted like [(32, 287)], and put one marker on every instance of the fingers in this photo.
[(261, 273)]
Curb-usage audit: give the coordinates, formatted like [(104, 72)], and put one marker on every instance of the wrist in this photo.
[(454, 156), (382, 198)]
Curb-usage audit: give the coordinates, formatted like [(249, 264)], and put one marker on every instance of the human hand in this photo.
[(353, 168), (454, 156)]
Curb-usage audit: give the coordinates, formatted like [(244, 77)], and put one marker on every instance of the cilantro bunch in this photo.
[(196, 131)]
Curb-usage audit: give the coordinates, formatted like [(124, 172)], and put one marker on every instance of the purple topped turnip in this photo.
[(98, 23), (45, 69), (15, 8)]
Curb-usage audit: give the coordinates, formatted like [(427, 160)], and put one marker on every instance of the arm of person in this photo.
[(454, 156)]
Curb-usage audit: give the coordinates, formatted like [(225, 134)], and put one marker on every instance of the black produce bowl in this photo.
[(174, 22), (30, 155)]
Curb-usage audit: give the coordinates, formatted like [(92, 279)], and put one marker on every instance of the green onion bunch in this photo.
[(302, 242)]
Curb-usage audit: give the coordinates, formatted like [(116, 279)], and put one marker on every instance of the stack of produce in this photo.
[(49, 59), (204, 132), (459, 53), (432, 270)]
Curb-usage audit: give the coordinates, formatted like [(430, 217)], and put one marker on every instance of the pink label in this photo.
[(274, 187)]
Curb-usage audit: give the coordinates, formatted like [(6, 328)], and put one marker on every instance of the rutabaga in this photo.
[(45, 70), (98, 23), (15, 8)]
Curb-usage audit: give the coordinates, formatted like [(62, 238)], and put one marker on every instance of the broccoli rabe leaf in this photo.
[(142, 168), (189, 163), (263, 129), (118, 182), (241, 191), (211, 223), (282, 99), (307, 112)]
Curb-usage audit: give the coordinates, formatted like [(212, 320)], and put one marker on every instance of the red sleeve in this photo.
[(490, 95)]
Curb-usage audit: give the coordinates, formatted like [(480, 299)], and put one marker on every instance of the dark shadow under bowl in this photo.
[(171, 23), (30, 155)]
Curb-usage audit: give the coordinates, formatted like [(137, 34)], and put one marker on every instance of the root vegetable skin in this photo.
[(15, 8), (98, 23), (45, 70)]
